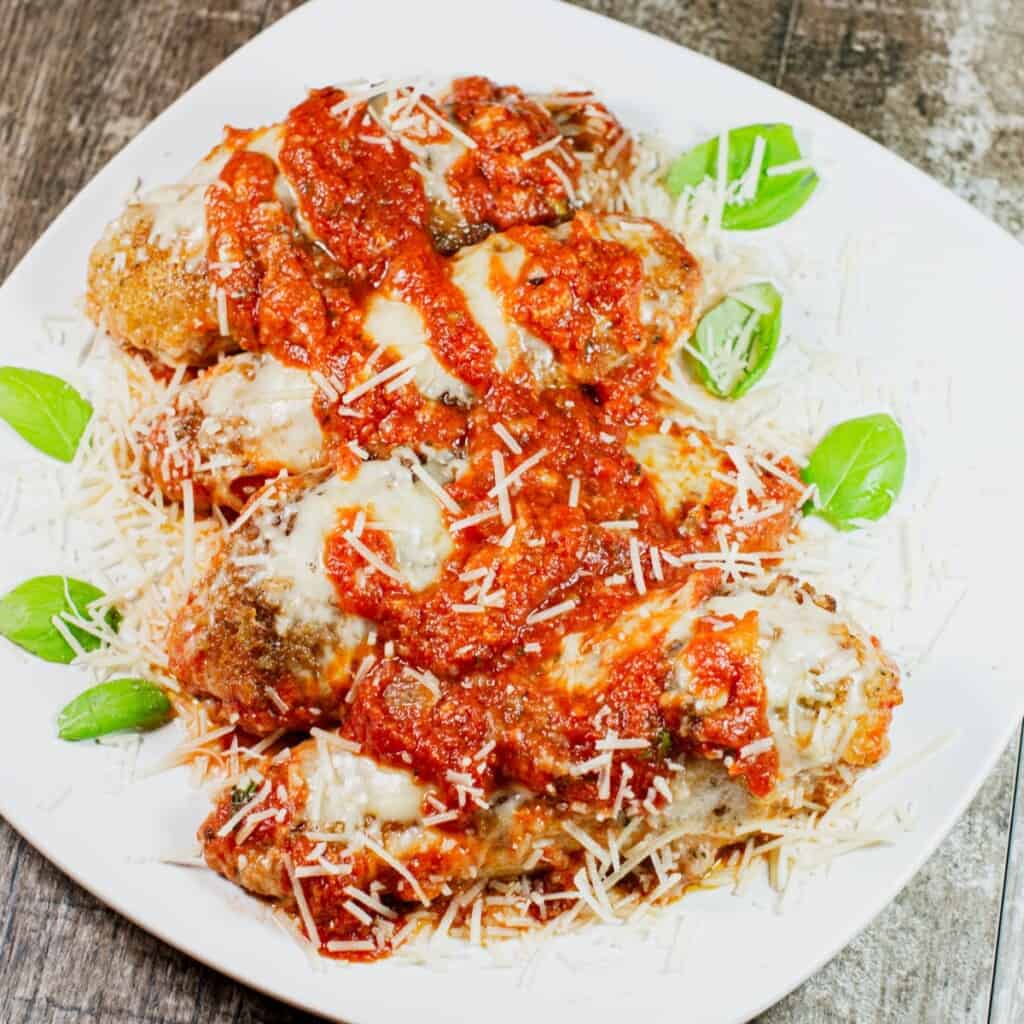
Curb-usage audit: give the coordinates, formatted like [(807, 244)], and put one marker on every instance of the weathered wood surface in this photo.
[(1008, 982), (939, 81)]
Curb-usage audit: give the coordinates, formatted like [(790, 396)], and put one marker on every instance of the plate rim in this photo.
[(951, 203)]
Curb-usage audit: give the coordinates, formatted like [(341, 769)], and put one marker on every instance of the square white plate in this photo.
[(938, 317)]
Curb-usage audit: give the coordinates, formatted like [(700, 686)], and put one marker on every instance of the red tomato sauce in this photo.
[(357, 189), (724, 663), (492, 182), (304, 303), (493, 667), (582, 297), (478, 695)]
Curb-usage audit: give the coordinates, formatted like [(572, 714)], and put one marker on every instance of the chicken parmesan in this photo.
[(479, 629)]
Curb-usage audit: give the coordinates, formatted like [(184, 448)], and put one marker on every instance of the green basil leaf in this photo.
[(858, 468), (769, 200), (26, 616), (241, 795), (736, 340), (113, 707), (48, 412)]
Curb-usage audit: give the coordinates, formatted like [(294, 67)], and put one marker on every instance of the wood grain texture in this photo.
[(939, 81), (1008, 978)]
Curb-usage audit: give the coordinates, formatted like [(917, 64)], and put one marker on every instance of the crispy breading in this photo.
[(152, 298)]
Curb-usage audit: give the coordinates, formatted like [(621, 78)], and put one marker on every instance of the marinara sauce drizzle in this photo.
[(584, 515)]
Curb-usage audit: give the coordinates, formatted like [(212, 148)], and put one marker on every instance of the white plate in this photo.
[(939, 288)]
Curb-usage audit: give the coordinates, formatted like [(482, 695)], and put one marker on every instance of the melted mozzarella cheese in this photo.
[(399, 326), (471, 274), (474, 273), (178, 211), (679, 470), (396, 502), (815, 669), (586, 660), (803, 646), (435, 162), (295, 567), (345, 789), (269, 142), (268, 406), (393, 500)]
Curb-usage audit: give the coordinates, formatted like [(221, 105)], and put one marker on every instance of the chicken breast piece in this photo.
[(764, 677), (151, 298), (533, 307), (263, 632), (332, 824), (233, 427), (355, 850), (582, 300), (291, 582), (353, 178)]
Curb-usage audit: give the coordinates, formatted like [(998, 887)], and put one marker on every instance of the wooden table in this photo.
[(939, 81)]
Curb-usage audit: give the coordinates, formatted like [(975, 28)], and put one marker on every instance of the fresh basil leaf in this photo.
[(47, 411), (858, 468), (26, 616), (664, 743), (241, 795), (113, 707), (759, 201), (736, 340)]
